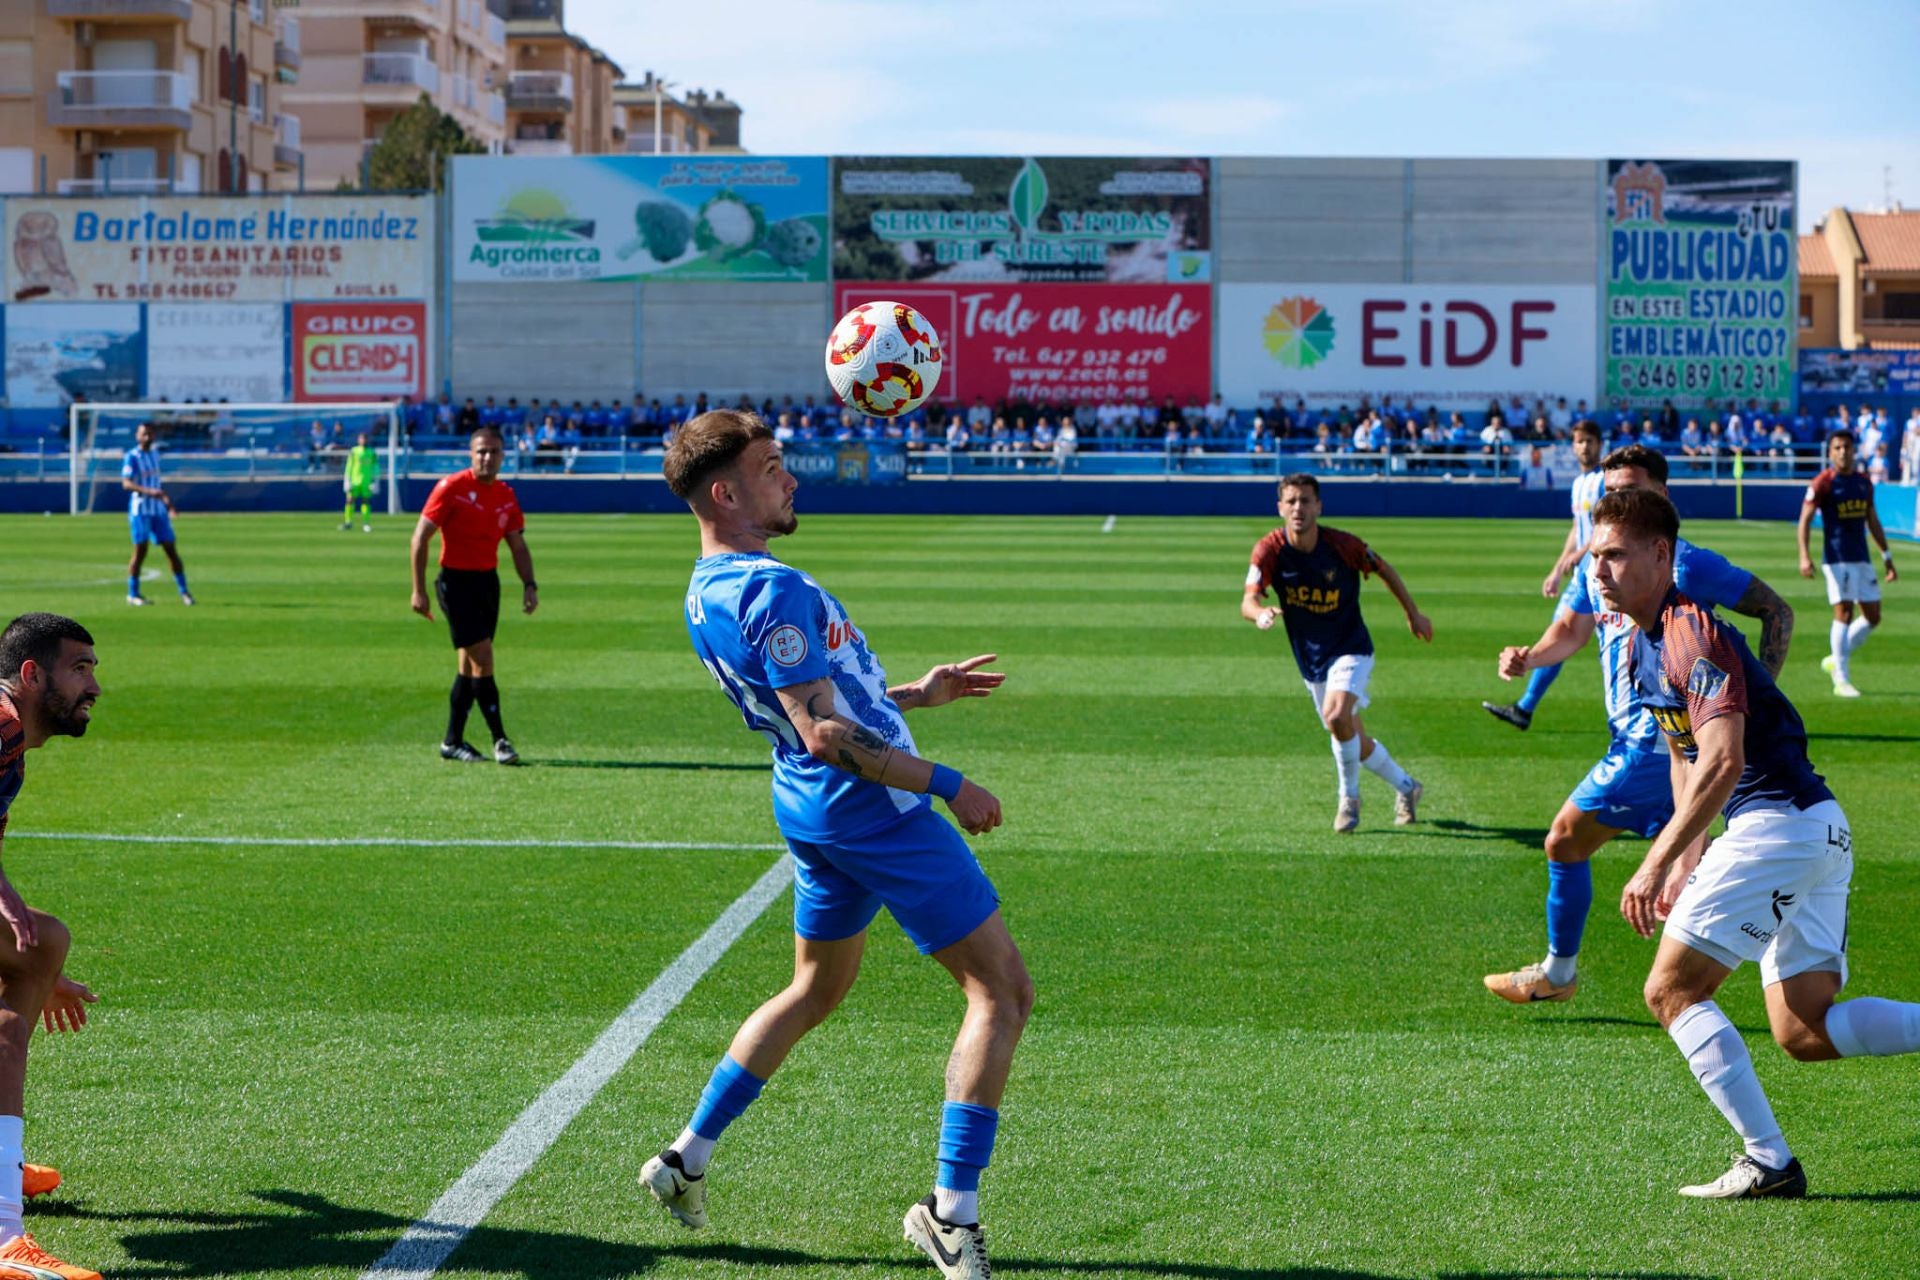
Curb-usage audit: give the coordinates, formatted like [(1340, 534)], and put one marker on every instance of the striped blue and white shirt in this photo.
[(142, 466), (1588, 489)]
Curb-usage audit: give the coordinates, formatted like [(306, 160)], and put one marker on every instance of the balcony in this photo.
[(286, 141), (495, 29), (286, 43), (121, 10), (540, 91), (460, 90), (642, 143), (117, 186), (401, 71), (494, 107), (540, 147), (122, 100)]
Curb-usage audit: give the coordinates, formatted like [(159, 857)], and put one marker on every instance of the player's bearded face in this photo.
[(66, 701), (766, 487)]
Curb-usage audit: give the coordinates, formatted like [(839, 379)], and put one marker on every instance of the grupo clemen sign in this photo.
[(359, 351), (219, 249), (1448, 346)]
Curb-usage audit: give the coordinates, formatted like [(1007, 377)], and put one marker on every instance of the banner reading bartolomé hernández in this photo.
[(1699, 272)]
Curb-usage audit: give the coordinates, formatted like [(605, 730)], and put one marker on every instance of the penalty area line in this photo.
[(428, 1243), (388, 842)]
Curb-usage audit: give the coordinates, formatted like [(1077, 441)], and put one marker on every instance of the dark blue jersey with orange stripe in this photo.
[(1319, 594), (13, 752), (1695, 668), (1844, 502)]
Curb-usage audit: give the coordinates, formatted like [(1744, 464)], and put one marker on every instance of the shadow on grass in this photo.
[(695, 766), (1459, 829), (318, 1233), (1615, 1020)]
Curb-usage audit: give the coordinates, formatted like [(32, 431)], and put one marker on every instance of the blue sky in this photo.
[(1830, 84)]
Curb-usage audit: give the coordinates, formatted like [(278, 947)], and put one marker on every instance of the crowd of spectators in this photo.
[(1529, 440)]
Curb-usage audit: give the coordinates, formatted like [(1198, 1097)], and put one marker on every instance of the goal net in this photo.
[(272, 455)]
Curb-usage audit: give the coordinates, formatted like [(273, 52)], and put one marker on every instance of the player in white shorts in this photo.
[(1843, 497), (1773, 888)]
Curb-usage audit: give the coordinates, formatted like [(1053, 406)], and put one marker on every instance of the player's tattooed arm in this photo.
[(1776, 623), (846, 744)]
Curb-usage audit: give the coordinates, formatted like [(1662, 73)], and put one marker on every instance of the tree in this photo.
[(412, 154)]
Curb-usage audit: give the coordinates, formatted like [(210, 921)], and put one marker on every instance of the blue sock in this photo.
[(133, 584), (1569, 898), (1538, 683), (728, 1093), (180, 581), (966, 1144)]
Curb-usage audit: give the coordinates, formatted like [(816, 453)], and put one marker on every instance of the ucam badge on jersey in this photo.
[(1705, 681)]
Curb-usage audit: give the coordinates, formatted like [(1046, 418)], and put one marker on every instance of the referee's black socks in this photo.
[(487, 693), (460, 702)]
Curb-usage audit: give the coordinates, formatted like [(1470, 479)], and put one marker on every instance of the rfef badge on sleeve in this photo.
[(1705, 681), (787, 645)]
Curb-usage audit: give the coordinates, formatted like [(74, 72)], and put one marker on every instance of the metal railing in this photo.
[(124, 90), (540, 147), (400, 69), (495, 29), (641, 142), (286, 131), (494, 108), (110, 185), (460, 89), (534, 86), (286, 41)]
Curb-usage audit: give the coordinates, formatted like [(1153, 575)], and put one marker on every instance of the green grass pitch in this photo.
[(1259, 1050)]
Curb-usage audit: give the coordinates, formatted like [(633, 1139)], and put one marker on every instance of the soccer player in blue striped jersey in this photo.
[(1629, 789), (852, 796), (149, 514), (1587, 488)]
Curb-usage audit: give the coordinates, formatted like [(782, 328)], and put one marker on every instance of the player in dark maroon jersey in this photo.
[(1316, 572), (1843, 495)]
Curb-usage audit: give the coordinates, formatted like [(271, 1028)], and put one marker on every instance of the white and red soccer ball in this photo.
[(883, 359)]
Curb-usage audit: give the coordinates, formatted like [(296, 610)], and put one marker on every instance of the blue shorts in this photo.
[(1628, 789), (151, 528), (919, 868)]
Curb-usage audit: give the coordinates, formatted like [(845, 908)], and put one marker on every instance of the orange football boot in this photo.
[(1528, 985), (38, 1179), (22, 1256)]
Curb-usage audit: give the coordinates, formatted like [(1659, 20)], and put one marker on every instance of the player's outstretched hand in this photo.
[(13, 909), (1806, 567), (421, 605), (1421, 626), (1637, 902), (1513, 661), (66, 1006), (529, 598), (960, 680), (975, 808)]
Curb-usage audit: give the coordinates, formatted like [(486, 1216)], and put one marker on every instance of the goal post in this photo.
[(300, 444)]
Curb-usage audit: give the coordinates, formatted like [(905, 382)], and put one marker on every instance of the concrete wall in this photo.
[(595, 340), (1339, 221)]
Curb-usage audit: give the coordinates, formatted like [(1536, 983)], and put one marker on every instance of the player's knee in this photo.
[(1666, 1000), (1803, 1043), (1563, 846), (51, 943)]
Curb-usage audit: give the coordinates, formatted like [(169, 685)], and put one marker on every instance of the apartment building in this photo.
[(146, 96), (1860, 281), (560, 89), (700, 121), (366, 61)]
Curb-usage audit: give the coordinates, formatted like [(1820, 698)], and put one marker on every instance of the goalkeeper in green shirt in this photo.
[(362, 473)]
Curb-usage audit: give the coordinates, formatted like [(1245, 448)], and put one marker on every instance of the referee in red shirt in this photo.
[(473, 510)]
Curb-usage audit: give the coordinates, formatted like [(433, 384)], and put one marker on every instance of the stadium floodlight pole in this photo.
[(660, 87)]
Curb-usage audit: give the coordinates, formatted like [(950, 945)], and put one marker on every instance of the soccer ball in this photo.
[(883, 359)]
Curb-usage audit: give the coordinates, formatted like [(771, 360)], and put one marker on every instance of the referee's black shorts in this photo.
[(470, 599)]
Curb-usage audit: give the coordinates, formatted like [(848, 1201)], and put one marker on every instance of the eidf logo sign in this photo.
[(359, 351)]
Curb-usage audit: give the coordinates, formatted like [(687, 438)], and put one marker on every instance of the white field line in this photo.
[(429, 1242), (386, 842), (1108, 526)]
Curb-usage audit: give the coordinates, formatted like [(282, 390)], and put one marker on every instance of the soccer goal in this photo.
[(284, 451)]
